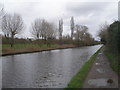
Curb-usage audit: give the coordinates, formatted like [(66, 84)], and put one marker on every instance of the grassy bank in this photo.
[(78, 80), (27, 48), (113, 59)]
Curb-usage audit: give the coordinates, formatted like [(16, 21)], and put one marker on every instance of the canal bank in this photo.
[(12, 51)]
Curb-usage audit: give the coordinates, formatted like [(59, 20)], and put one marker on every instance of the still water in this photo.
[(47, 69)]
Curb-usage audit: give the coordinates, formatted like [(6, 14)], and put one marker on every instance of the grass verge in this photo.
[(78, 80), (29, 48)]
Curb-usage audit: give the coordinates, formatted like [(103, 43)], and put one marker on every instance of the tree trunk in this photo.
[(12, 40)]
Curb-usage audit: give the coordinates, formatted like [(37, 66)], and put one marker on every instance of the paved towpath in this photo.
[(101, 74)]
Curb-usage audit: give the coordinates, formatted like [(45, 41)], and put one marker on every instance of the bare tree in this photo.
[(48, 30), (60, 28), (77, 32), (72, 26), (80, 32), (43, 29), (51, 31), (88, 39), (2, 13), (82, 35), (1, 10), (67, 37), (37, 28), (12, 25), (0, 26), (103, 33)]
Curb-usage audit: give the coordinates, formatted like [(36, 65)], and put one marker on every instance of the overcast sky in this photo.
[(91, 13)]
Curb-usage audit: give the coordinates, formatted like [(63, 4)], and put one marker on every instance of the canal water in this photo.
[(47, 69)]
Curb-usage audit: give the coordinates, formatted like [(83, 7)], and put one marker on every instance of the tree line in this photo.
[(110, 36), (12, 24)]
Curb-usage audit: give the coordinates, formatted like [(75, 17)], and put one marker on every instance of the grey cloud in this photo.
[(92, 14), (85, 13), (86, 8)]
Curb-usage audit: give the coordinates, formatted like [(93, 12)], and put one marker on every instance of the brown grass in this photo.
[(11, 51)]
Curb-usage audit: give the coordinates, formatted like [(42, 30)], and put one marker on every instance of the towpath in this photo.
[(101, 74)]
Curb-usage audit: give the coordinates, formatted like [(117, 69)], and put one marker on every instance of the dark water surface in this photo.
[(48, 69)]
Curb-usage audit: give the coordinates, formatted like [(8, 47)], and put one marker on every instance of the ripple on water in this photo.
[(47, 69)]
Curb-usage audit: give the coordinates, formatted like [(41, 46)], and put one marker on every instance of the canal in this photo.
[(47, 69)]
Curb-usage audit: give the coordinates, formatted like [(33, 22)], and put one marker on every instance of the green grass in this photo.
[(78, 80), (114, 61)]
